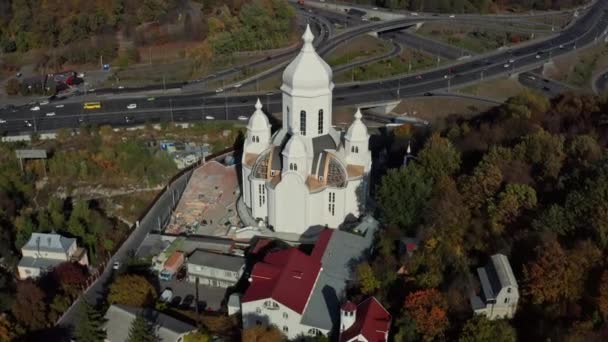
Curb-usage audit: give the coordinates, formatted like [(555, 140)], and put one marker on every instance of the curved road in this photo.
[(211, 106)]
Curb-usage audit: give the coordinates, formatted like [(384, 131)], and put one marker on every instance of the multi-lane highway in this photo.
[(210, 106)]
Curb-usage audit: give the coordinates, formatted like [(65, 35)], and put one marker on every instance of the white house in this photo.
[(118, 320), (499, 291), (301, 293), (45, 251), (368, 321), (215, 269), (307, 174)]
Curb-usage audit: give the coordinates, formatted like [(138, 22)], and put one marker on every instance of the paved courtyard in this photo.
[(184, 294), (208, 205)]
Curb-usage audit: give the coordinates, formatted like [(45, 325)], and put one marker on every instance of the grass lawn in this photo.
[(577, 69), (498, 89), (472, 38), (390, 67), (128, 207), (362, 47), (435, 112)]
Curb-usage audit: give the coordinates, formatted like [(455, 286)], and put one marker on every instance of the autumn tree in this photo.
[(366, 278), (428, 311), (509, 204), (602, 301), (29, 308), (70, 276), (261, 333), (132, 290), (481, 329), (7, 329)]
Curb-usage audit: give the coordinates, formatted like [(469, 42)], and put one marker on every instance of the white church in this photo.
[(307, 174)]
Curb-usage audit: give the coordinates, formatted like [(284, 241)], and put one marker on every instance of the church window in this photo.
[(320, 121), (295, 167), (257, 139), (352, 149), (332, 203), (285, 315), (285, 328), (303, 122), (291, 166), (356, 149)]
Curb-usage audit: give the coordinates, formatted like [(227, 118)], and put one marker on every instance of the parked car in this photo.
[(166, 295), (132, 106)]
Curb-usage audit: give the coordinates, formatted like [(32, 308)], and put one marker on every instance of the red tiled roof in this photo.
[(349, 306), (321, 244), (287, 276), (260, 244), (372, 321)]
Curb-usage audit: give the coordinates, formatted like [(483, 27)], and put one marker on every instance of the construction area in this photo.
[(208, 205)]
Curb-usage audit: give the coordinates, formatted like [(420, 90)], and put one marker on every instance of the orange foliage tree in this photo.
[(602, 301), (427, 308)]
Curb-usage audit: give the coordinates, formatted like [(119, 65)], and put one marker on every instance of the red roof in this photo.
[(349, 306), (260, 244), (322, 243), (372, 321), (287, 276), (175, 260)]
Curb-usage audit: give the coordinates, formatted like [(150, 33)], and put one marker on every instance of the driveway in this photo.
[(184, 294)]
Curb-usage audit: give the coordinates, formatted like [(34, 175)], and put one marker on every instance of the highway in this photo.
[(211, 106)]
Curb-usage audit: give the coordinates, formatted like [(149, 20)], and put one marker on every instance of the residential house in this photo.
[(219, 270), (120, 317), (499, 290), (45, 251), (368, 321), (300, 293)]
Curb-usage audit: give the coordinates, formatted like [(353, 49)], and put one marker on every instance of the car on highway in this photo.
[(537, 56), (414, 14), (561, 46), (511, 60), (128, 119), (219, 90), (242, 118), (419, 77), (121, 87), (50, 114), (151, 98), (2, 121), (35, 108), (59, 106), (507, 65), (209, 117), (452, 16), (238, 85), (45, 102), (132, 106), (27, 123)]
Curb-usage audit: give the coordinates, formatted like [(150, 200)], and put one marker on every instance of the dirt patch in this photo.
[(362, 47), (498, 89), (436, 111)]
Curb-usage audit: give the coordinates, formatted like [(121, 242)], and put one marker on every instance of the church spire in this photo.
[(308, 37)]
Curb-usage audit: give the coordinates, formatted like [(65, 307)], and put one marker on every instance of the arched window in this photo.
[(285, 315), (352, 149), (295, 167), (303, 122), (320, 121), (356, 149), (291, 166)]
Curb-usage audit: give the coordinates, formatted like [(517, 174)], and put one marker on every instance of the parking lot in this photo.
[(184, 294)]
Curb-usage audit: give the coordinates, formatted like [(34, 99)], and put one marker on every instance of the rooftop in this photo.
[(221, 261), (48, 242), (372, 322)]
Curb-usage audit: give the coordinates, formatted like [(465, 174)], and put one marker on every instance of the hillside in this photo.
[(471, 6)]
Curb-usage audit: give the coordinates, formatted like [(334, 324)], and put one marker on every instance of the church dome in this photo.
[(295, 147), (258, 121), (357, 130), (308, 71)]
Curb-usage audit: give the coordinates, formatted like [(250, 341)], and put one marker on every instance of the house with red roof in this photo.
[(367, 322), (301, 293)]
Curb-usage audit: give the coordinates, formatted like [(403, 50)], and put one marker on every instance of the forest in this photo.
[(528, 179), (473, 6)]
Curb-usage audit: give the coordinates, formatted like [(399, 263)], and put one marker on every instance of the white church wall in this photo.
[(290, 205), (259, 199), (317, 209), (311, 106)]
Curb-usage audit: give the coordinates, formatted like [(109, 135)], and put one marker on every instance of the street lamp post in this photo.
[(171, 108)]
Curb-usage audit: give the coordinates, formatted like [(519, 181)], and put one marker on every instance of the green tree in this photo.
[(366, 279), (509, 205), (141, 331), (402, 195), (439, 158), (481, 329), (90, 324)]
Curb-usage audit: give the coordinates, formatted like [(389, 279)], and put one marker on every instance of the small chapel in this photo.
[(307, 174)]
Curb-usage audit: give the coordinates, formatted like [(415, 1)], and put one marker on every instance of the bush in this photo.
[(13, 86)]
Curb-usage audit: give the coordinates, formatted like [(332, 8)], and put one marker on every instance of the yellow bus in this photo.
[(92, 105)]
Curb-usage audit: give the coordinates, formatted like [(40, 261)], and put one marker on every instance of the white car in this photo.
[(45, 102), (537, 56), (166, 295), (243, 118), (452, 16), (27, 123), (414, 13), (219, 90), (50, 114), (59, 106), (238, 85), (511, 61), (132, 106), (2, 121), (81, 75), (35, 108), (209, 117), (121, 87), (116, 265), (375, 8), (507, 65)]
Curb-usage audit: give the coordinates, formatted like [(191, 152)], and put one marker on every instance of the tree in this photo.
[(29, 308), (366, 278), (402, 195), (12, 87), (427, 309), (439, 158), (70, 276), (602, 301), (7, 329), (509, 205), (132, 290), (546, 151), (481, 329), (481, 185), (90, 324), (260, 333), (141, 331), (197, 336)]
